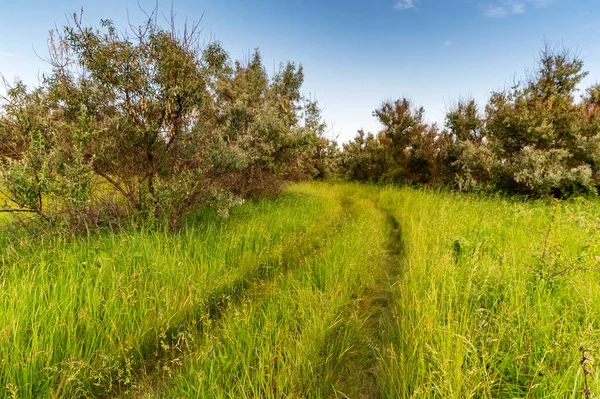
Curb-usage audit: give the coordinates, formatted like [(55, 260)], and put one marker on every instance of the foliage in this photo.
[(535, 138), (46, 158), (364, 159), (406, 150), (323, 160), (329, 290), (464, 122), (496, 296), (166, 124), (536, 130), (410, 141)]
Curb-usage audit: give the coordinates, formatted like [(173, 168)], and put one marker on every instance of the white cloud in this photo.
[(494, 11), (405, 4), (6, 54), (448, 43), (505, 8)]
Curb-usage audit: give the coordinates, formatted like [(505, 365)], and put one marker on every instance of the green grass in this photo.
[(80, 318), (330, 290), (492, 302), (303, 335)]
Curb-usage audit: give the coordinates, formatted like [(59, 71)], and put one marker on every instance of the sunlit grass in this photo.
[(495, 297), (78, 318), (303, 335), (330, 290)]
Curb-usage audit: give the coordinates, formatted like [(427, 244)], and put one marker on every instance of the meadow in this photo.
[(329, 290)]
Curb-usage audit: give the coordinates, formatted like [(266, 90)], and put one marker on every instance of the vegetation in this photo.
[(535, 138), (329, 290), (82, 318), (495, 297), (163, 125)]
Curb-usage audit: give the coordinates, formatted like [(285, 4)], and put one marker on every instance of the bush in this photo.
[(406, 151), (534, 138), (539, 134), (151, 116)]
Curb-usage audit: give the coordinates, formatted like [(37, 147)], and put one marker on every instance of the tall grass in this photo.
[(304, 334), (495, 297), (80, 318), (331, 290)]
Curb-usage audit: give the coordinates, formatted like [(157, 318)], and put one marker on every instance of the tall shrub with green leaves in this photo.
[(543, 143), (406, 150), (166, 124), (324, 158), (411, 142), (467, 162), (365, 159), (43, 157)]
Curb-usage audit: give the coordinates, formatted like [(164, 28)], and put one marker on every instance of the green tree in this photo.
[(167, 124), (466, 159), (365, 159), (411, 142), (536, 130)]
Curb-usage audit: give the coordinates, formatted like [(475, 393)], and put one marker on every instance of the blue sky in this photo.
[(356, 53)]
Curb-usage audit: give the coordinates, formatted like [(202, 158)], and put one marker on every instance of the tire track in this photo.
[(206, 316), (375, 308)]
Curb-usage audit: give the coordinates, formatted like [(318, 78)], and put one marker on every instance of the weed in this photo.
[(585, 361)]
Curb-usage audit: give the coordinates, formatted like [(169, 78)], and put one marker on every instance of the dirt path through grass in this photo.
[(379, 302), (251, 287), (332, 306), (328, 291)]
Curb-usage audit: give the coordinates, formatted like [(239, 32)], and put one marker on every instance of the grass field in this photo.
[(330, 290)]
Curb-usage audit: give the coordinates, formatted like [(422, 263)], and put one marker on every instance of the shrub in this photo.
[(407, 150), (534, 138), (539, 134), (150, 115)]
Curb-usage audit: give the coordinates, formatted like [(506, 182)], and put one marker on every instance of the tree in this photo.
[(537, 132), (466, 160), (464, 122), (167, 124), (406, 150), (411, 142), (365, 159)]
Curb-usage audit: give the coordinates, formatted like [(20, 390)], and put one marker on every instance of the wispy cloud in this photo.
[(448, 43), (6, 54), (405, 4), (540, 3), (505, 8), (592, 26)]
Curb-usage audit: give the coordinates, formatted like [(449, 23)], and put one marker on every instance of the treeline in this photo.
[(536, 138), (149, 123)]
